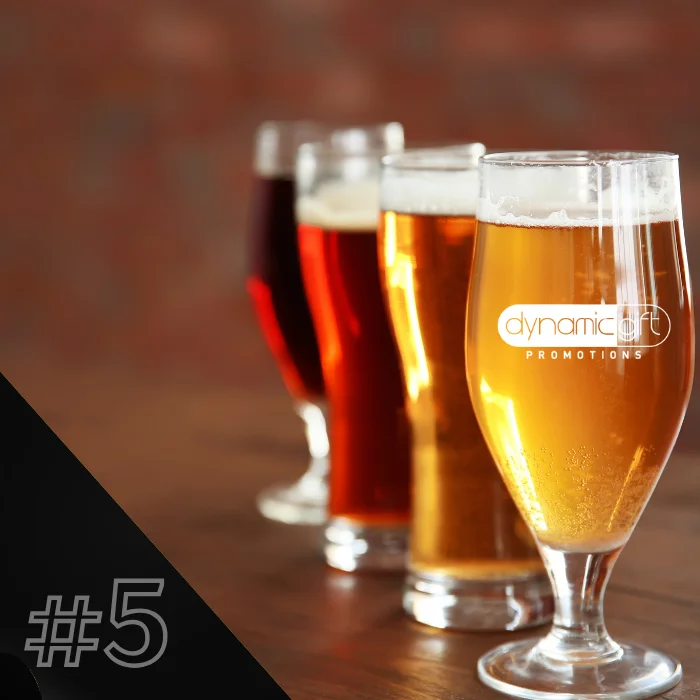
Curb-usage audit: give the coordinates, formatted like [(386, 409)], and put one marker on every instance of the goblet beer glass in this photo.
[(275, 285), (580, 359), (338, 211), (473, 563)]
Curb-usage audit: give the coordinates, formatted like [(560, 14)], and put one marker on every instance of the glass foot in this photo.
[(350, 546), (521, 670), (450, 603), (304, 502)]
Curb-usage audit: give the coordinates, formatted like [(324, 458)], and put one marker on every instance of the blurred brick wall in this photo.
[(125, 135)]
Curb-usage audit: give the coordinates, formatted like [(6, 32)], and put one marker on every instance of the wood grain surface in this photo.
[(185, 460)]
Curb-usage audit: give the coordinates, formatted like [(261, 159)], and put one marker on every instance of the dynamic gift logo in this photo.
[(629, 326)]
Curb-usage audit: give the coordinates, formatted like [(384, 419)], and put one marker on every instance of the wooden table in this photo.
[(185, 460)]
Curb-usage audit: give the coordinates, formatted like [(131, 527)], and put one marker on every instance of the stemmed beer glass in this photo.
[(275, 285), (282, 307), (580, 357)]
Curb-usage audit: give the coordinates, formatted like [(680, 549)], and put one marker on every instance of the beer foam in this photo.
[(579, 196), (570, 215), (341, 206), (437, 192)]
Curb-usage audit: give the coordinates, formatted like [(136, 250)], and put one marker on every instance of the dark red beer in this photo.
[(277, 290)]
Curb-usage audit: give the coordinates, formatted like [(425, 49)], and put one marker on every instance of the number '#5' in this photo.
[(122, 616)]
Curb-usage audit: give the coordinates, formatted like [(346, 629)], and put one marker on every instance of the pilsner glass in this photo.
[(473, 562), (276, 288), (338, 210), (580, 359)]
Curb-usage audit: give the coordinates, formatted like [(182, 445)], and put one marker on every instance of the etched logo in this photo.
[(626, 326)]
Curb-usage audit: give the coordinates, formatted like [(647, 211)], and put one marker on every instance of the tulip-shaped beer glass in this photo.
[(277, 291), (580, 356)]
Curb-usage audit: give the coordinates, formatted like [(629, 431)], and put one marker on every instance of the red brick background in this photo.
[(125, 136)]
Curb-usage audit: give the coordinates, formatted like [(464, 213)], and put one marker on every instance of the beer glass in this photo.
[(337, 212), (276, 288), (473, 563), (580, 359)]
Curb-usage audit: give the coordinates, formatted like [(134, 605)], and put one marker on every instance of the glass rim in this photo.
[(373, 140), (289, 125), (267, 123), (446, 158), (332, 151), (582, 158), (436, 145)]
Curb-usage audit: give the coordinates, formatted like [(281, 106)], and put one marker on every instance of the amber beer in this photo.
[(465, 525), (466, 532), (581, 421), (337, 207), (369, 498)]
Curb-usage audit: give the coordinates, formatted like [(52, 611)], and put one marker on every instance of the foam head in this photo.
[(337, 181), (438, 181), (578, 188), (341, 206)]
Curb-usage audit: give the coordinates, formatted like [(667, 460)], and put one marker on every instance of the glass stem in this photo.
[(314, 417), (578, 634)]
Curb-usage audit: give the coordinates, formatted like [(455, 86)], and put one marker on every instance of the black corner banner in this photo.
[(89, 608)]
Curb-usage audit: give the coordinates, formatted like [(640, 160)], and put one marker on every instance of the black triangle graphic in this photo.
[(62, 537)]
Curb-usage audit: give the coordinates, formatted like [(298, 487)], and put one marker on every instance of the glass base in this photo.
[(450, 603), (305, 502), (521, 670), (350, 546)]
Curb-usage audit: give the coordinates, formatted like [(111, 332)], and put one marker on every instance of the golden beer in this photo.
[(464, 524), (581, 433), (580, 355)]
